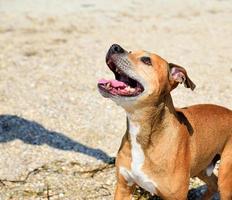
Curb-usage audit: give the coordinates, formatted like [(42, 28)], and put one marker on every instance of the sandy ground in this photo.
[(57, 134)]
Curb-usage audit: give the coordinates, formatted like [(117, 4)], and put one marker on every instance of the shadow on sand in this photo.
[(13, 127), (197, 193)]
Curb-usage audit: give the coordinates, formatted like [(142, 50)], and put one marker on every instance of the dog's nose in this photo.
[(115, 48)]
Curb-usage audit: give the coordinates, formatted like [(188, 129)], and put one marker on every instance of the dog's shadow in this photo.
[(13, 127), (197, 193), (194, 194)]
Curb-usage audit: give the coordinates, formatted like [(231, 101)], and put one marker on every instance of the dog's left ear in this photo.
[(179, 75)]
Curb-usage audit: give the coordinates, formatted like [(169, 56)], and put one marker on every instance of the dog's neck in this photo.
[(150, 119)]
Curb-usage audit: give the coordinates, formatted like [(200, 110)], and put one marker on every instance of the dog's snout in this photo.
[(115, 48)]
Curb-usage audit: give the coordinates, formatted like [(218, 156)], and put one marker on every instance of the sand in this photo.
[(53, 122)]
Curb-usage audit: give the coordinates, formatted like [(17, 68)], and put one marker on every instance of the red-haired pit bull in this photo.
[(164, 146)]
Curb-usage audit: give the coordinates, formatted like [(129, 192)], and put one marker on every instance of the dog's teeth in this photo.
[(129, 89), (107, 85)]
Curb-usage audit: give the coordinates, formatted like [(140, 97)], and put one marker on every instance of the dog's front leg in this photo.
[(123, 190)]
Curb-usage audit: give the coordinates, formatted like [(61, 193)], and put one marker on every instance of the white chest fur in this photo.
[(136, 175)]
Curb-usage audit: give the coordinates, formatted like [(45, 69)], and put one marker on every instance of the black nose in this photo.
[(115, 48)]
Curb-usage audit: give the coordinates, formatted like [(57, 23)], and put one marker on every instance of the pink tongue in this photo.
[(103, 81), (113, 83)]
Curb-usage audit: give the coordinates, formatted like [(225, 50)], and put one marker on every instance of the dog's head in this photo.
[(140, 77)]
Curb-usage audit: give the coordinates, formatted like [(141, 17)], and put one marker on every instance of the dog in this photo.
[(164, 146)]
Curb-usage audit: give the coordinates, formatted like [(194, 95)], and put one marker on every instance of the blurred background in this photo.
[(58, 136)]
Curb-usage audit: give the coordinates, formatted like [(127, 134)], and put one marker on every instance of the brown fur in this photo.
[(177, 143)]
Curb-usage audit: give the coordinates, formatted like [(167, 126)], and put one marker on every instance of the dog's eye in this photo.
[(146, 60)]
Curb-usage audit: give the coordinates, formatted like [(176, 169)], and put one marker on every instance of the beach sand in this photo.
[(57, 134)]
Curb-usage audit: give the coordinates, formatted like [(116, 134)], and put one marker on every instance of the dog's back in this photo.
[(209, 118), (210, 132)]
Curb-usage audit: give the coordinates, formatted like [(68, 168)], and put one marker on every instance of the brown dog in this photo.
[(163, 146)]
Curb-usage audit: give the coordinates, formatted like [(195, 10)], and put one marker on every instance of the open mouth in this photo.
[(122, 85)]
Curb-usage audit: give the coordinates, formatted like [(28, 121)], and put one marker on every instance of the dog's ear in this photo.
[(179, 75)]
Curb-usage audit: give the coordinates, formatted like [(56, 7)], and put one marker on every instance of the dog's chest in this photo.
[(136, 174)]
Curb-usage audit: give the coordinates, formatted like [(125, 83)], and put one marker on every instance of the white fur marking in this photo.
[(209, 169), (127, 175), (136, 174)]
